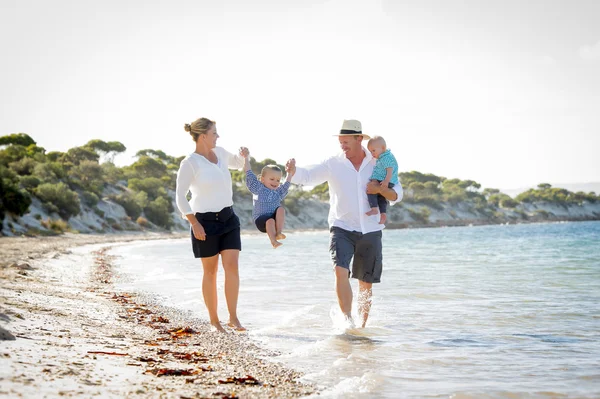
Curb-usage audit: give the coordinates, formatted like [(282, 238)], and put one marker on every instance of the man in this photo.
[(354, 235)]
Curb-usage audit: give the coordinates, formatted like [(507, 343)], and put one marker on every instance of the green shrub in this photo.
[(130, 203), (23, 166), (158, 213), (29, 183), (421, 215), (89, 198), (12, 199), (59, 198), (58, 225), (508, 203)]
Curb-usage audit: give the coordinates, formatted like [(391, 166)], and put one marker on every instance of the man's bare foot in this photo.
[(217, 326), (372, 212), (280, 236), (349, 321), (276, 244), (382, 218), (236, 325)]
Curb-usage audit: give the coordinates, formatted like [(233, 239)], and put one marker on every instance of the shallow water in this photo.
[(464, 312)]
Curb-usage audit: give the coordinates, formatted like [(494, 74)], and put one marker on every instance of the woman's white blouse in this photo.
[(209, 183)]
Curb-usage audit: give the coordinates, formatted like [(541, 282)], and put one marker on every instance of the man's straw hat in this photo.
[(352, 127)]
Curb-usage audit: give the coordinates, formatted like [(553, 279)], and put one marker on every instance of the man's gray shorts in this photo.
[(364, 250)]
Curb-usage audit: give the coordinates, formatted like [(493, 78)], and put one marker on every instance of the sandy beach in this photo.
[(67, 333)]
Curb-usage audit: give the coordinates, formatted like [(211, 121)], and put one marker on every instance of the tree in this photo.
[(544, 186), (12, 199), (88, 175), (158, 213), (76, 155), (146, 167), (107, 150), (21, 139), (321, 191), (59, 198), (152, 186)]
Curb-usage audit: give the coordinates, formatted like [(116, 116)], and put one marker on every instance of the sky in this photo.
[(506, 93)]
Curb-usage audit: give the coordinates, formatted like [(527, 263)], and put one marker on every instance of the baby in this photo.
[(268, 214), (385, 172)]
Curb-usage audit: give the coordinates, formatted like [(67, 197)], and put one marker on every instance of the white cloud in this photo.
[(590, 53)]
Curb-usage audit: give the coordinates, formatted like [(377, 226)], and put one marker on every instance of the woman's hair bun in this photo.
[(187, 127)]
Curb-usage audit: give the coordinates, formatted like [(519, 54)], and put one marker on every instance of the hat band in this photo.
[(344, 131)]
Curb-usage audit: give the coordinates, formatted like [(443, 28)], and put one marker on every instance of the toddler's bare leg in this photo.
[(373, 211), (279, 222), (270, 226), (382, 218)]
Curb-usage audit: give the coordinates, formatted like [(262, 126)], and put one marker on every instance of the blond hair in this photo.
[(272, 168), (377, 140), (198, 127)]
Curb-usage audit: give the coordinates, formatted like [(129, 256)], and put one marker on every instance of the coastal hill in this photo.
[(82, 190)]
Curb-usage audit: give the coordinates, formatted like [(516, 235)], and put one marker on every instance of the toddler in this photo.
[(268, 214), (385, 172)]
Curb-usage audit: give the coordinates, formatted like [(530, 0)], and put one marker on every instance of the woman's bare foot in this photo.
[(217, 326), (383, 218), (372, 212), (236, 325), (276, 244), (280, 236)]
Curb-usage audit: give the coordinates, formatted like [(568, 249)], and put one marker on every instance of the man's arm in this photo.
[(311, 176), (391, 194)]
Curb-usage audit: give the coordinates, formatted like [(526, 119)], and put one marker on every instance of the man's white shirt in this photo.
[(348, 203)]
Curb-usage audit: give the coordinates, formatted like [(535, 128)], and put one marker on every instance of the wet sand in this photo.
[(75, 336)]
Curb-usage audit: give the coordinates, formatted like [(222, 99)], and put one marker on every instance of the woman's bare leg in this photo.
[(209, 289), (230, 258)]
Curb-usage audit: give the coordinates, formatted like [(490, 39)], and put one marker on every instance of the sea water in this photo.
[(509, 311)]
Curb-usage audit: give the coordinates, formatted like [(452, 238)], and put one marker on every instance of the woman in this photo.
[(215, 227)]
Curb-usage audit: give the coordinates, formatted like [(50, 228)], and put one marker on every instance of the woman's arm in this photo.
[(185, 176), (234, 161)]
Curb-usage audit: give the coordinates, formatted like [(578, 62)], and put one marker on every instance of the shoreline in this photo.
[(77, 336)]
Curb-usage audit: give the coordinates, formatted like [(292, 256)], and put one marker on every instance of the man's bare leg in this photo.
[(230, 259), (365, 294), (344, 291), (209, 289), (279, 223), (270, 227)]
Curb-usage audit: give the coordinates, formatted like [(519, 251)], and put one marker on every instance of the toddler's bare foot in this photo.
[(383, 218), (280, 236), (217, 326), (372, 212), (236, 325), (276, 244)]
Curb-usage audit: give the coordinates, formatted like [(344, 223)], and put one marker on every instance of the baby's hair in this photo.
[(377, 140), (198, 127), (272, 168)]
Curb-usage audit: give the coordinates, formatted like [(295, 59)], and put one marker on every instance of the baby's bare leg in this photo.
[(279, 222), (271, 232)]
